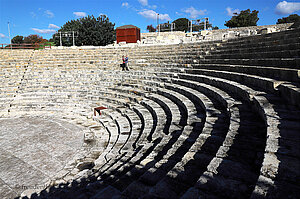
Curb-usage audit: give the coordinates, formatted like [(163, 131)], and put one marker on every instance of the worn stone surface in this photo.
[(32, 150)]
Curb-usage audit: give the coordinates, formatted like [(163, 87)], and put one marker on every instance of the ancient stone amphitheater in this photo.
[(203, 120)]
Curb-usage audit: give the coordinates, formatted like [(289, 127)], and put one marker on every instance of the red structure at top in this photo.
[(128, 33)]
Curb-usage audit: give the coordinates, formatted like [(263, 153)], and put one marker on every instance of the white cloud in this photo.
[(151, 14), (2, 35), (194, 13), (152, 7), (164, 17), (49, 14), (33, 15), (143, 2), (79, 14), (43, 31), (53, 26), (125, 4), (231, 12), (179, 13), (284, 7)]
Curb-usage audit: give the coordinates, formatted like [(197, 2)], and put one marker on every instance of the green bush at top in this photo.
[(91, 31), (244, 19)]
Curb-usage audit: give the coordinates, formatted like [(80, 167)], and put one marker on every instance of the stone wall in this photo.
[(210, 35), (164, 34), (278, 27)]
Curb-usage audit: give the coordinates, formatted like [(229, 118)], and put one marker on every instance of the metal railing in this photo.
[(34, 46)]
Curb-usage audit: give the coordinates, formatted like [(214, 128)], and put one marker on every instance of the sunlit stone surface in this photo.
[(32, 149)]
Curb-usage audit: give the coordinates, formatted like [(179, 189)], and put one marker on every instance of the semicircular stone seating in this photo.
[(201, 120)]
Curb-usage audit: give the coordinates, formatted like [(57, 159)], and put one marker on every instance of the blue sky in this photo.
[(44, 17)]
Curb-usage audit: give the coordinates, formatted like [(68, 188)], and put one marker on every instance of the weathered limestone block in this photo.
[(85, 164), (89, 137)]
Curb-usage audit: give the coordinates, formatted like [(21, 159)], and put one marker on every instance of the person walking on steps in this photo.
[(123, 63), (126, 63)]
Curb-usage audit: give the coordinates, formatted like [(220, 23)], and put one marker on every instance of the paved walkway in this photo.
[(33, 149)]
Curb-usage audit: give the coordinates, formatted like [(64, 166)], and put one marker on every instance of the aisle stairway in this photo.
[(204, 120)]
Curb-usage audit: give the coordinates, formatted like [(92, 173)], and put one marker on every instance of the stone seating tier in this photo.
[(212, 119)]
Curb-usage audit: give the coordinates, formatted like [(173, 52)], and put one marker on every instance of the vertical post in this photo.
[(158, 24), (205, 23), (157, 21), (60, 38), (9, 36), (73, 39), (191, 28)]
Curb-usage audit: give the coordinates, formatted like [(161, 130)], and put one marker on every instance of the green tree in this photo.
[(17, 39), (244, 19), (181, 24), (215, 28), (290, 19), (197, 26), (31, 39), (150, 28), (91, 31)]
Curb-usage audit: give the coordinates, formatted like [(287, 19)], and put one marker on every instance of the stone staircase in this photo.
[(202, 120)]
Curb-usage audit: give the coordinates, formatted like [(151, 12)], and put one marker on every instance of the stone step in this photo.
[(252, 55), (272, 131), (292, 63), (112, 130), (278, 36), (284, 74), (274, 46), (159, 185), (288, 91)]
